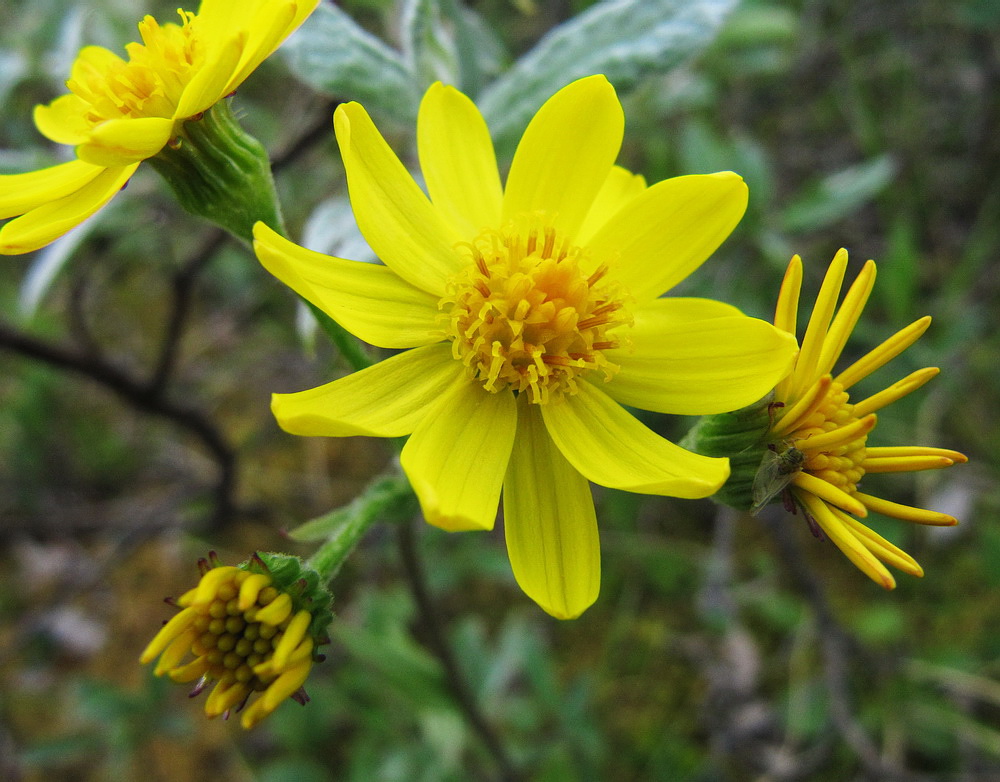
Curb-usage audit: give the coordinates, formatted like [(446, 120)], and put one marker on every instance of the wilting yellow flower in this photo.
[(247, 633), (120, 112), (530, 312), (820, 436)]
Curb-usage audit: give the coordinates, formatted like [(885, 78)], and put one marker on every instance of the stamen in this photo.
[(829, 492), (523, 316)]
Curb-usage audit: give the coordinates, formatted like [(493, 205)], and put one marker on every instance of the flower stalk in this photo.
[(220, 172)]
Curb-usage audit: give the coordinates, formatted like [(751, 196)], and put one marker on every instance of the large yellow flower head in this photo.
[(820, 437), (120, 112), (529, 313), (250, 629)]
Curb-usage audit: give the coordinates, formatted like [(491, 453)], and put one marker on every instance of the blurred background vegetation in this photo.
[(723, 647)]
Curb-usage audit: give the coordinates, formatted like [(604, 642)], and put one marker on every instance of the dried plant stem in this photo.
[(433, 634)]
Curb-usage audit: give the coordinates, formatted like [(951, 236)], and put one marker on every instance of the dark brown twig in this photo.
[(434, 635), (142, 396), (184, 282)]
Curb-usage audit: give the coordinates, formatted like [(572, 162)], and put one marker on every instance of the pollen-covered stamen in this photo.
[(834, 459), (150, 83), (528, 314)]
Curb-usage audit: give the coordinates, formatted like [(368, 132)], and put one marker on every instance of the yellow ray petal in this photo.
[(610, 447), (175, 627), (786, 312), (789, 418), (291, 638), (896, 391), (120, 142), (388, 399), (224, 697), (668, 231), (285, 685), (881, 464), (209, 585), (565, 155), (884, 353), (277, 611), (369, 300), (893, 451), (94, 62), (905, 512), (176, 651), (63, 120), (827, 441), (807, 369), (880, 547), (210, 83), (618, 190), (49, 221), (402, 227), (457, 160), (829, 492), (847, 317), (549, 522), (188, 673), (266, 32), (20, 193), (844, 539), (456, 457), (674, 311), (250, 589), (698, 367)]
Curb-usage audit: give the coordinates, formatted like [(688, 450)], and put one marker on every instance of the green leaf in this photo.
[(385, 496), (428, 47), (384, 499), (443, 40), (623, 39), (838, 195), (331, 53)]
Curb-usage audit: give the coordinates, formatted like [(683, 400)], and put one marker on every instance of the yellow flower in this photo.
[(530, 314), (821, 435), (120, 112), (248, 632)]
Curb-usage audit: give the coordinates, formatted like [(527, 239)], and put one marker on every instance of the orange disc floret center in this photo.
[(150, 83), (840, 464), (529, 314)]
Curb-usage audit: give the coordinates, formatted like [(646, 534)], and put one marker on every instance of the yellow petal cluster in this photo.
[(244, 635), (119, 112), (815, 415), (528, 313)]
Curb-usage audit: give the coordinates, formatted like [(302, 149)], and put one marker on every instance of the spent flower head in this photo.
[(807, 443), (250, 629), (529, 313), (119, 112)]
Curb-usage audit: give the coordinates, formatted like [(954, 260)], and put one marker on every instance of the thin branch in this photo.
[(183, 295), (435, 637)]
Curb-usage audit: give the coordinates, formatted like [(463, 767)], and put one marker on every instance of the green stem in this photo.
[(387, 498), (350, 349), (220, 172)]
